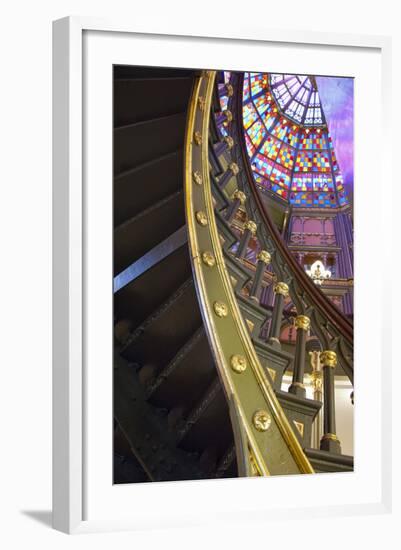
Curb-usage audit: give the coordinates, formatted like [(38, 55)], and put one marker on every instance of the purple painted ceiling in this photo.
[(337, 98)]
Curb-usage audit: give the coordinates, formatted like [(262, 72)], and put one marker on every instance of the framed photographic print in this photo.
[(213, 290)]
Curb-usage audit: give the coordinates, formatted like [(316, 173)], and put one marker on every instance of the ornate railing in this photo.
[(333, 329), (265, 441), (331, 340)]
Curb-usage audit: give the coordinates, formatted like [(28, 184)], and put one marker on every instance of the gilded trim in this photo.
[(276, 450)]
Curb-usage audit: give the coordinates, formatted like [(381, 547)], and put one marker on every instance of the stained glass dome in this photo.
[(288, 140)]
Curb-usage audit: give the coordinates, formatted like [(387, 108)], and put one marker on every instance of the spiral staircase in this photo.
[(197, 375)]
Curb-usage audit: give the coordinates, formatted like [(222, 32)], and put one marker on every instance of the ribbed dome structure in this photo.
[(288, 140)]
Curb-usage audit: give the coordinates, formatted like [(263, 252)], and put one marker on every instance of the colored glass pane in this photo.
[(270, 148), (256, 83), (288, 140), (257, 132), (321, 182), (286, 156), (249, 114)]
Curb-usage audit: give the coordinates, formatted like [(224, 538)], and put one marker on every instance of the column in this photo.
[(224, 116), (267, 294), (238, 199), (280, 292), (250, 229), (302, 324), (264, 259), (329, 441), (317, 385), (231, 171), (229, 89), (226, 144)]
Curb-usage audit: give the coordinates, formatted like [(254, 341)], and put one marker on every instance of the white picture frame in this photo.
[(80, 47)]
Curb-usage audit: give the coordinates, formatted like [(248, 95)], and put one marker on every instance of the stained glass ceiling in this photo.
[(288, 141), (298, 98)]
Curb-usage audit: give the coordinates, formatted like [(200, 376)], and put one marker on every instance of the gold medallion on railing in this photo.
[(220, 309), (201, 218), (201, 103), (197, 177), (208, 259), (198, 138), (238, 363), (262, 420)]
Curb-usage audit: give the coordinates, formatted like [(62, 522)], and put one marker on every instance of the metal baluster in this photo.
[(317, 384), (264, 259), (224, 116), (302, 324), (280, 293), (231, 171), (229, 89), (329, 441), (226, 144), (239, 199), (250, 229)]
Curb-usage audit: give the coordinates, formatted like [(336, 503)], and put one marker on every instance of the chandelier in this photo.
[(318, 273)]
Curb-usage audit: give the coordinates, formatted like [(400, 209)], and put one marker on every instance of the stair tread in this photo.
[(152, 443), (157, 254), (163, 333), (235, 266), (252, 305), (218, 195), (324, 461), (161, 177), (136, 144), (187, 376), (138, 235), (133, 72), (128, 94), (208, 425), (136, 303), (330, 457), (227, 463), (137, 169), (154, 79), (147, 122), (152, 208), (225, 231), (308, 406)]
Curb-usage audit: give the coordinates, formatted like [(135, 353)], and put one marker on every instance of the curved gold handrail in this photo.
[(265, 441)]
